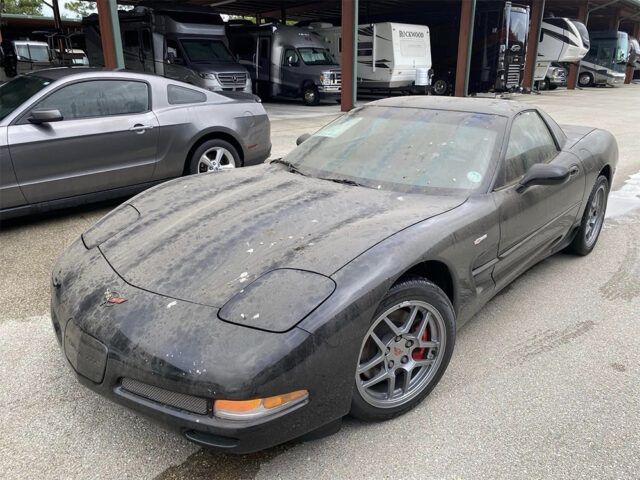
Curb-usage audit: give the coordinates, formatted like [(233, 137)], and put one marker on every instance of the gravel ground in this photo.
[(544, 381)]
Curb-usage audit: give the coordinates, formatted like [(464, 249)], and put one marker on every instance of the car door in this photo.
[(533, 220), (108, 138)]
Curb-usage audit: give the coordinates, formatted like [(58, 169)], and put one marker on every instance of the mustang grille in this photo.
[(235, 79), (173, 399)]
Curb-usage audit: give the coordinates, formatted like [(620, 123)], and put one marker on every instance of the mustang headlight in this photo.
[(109, 225), (278, 300)]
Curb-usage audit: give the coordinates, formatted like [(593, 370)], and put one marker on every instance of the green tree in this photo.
[(27, 7), (80, 8)]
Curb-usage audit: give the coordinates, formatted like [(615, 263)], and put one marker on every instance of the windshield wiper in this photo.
[(344, 181), (292, 167)]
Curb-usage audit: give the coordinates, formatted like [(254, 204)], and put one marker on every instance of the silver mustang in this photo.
[(70, 136)]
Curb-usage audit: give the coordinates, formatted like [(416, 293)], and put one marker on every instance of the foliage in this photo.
[(27, 7)]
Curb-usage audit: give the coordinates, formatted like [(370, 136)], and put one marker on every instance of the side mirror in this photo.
[(544, 174), (302, 138), (45, 116), (290, 62)]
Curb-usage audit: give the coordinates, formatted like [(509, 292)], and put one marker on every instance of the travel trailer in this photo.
[(176, 41), (22, 56), (605, 63), (561, 40), (389, 54), (499, 47), (286, 61)]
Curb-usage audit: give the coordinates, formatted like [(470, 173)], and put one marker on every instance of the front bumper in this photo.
[(329, 92), (183, 347)]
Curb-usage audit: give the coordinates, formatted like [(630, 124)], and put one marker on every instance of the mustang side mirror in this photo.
[(302, 138), (45, 116), (543, 174)]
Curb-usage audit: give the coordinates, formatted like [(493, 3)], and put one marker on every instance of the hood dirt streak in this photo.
[(203, 238)]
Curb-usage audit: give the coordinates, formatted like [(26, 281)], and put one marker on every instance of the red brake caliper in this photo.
[(419, 353)]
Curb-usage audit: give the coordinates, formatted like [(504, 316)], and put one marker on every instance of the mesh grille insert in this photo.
[(173, 399)]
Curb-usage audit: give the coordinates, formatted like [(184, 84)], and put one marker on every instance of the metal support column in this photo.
[(465, 39), (535, 26), (110, 33), (573, 68), (349, 24)]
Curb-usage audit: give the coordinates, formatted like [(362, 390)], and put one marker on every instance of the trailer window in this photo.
[(131, 39)]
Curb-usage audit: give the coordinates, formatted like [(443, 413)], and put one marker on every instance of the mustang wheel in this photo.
[(405, 351), (592, 219), (214, 156)]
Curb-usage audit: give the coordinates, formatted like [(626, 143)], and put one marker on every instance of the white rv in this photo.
[(389, 54), (561, 40)]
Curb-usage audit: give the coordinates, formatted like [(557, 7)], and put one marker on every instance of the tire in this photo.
[(543, 84), (310, 95), (210, 149), (585, 79), (592, 219), (440, 87), (553, 87), (404, 350)]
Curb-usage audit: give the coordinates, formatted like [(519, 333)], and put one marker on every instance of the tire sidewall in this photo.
[(217, 142), (411, 289), (579, 244), (588, 77), (314, 89)]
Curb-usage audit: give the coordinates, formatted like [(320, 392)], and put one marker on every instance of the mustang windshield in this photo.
[(404, 149), (19, 90)]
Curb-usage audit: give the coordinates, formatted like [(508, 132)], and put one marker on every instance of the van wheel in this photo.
[(310, 95), (440, 87), (585, 79)]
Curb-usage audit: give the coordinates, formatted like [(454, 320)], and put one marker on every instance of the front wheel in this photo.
[(440, 87), (585, 79), (405, 350), (592, 219), (310, 95)]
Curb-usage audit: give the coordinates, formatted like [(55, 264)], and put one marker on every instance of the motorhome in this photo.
[(176, 41), (606, 61), (286, 61), (389, 54), (562, 40), (499, 47), (23, 56)]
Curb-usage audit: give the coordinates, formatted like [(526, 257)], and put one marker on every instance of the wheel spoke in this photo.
[(392, 385), (407, 381), (219, 155), (427, 344), (204, 159), (396, 331), (423, 326), (371, 363), (383, 375), (380, 343), (423, 362), (406, 328)]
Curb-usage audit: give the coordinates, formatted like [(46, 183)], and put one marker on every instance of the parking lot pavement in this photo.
[(544, 381)]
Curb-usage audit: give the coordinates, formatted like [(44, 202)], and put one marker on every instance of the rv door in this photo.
[(263, 66)]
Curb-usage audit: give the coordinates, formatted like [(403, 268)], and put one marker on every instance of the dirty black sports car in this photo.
[(252, 307)]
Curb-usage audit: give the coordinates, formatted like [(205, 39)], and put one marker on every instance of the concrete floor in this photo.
[(544, 381)]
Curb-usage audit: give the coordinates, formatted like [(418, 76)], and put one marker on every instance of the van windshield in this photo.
[(316, 56), (34, 53), (204, 50)]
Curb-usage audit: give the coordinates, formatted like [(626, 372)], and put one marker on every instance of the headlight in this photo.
[(109, 225), (207, 76), (278, 300), (258, 407), (325, 78), (247, 86)]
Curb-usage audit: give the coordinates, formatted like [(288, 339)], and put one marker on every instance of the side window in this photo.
[(98, 98), (530, 142), (290, 53), (179, 95), (131, 39), (173, 50), (146, 40)]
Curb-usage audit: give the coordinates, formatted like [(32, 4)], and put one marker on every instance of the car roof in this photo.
[(489, 106), (86, 72)]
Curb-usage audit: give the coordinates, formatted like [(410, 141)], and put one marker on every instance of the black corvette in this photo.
[(255, 306)]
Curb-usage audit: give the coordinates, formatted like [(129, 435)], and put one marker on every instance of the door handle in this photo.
[(573, 170), (139, 128)]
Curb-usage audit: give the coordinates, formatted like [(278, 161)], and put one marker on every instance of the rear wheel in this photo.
[(440, 87), (214, 156), (405, 351), (585, 79), (592, 219)]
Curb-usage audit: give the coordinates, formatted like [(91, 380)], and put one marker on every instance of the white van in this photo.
[(389, 54)]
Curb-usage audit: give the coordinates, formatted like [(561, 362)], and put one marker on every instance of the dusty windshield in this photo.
[(404, 149), (206, 51), (316, 56)]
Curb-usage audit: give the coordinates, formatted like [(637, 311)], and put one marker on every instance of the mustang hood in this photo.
[(204, 238)]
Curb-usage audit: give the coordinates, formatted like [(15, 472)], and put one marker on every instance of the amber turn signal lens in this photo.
[(282, 399), (237, 406)]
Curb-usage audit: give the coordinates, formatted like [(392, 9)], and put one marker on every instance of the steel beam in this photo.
[(346, 55), (535, 25), (465, 39), (572, 81), (110, 34)]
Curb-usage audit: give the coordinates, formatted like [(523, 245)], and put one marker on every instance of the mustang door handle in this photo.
[(573, 170), (139, 128)]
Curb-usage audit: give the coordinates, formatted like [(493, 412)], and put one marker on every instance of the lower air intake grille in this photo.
[(513, 75), (173, 399)]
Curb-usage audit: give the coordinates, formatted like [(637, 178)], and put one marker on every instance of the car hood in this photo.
[(204, 238)]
